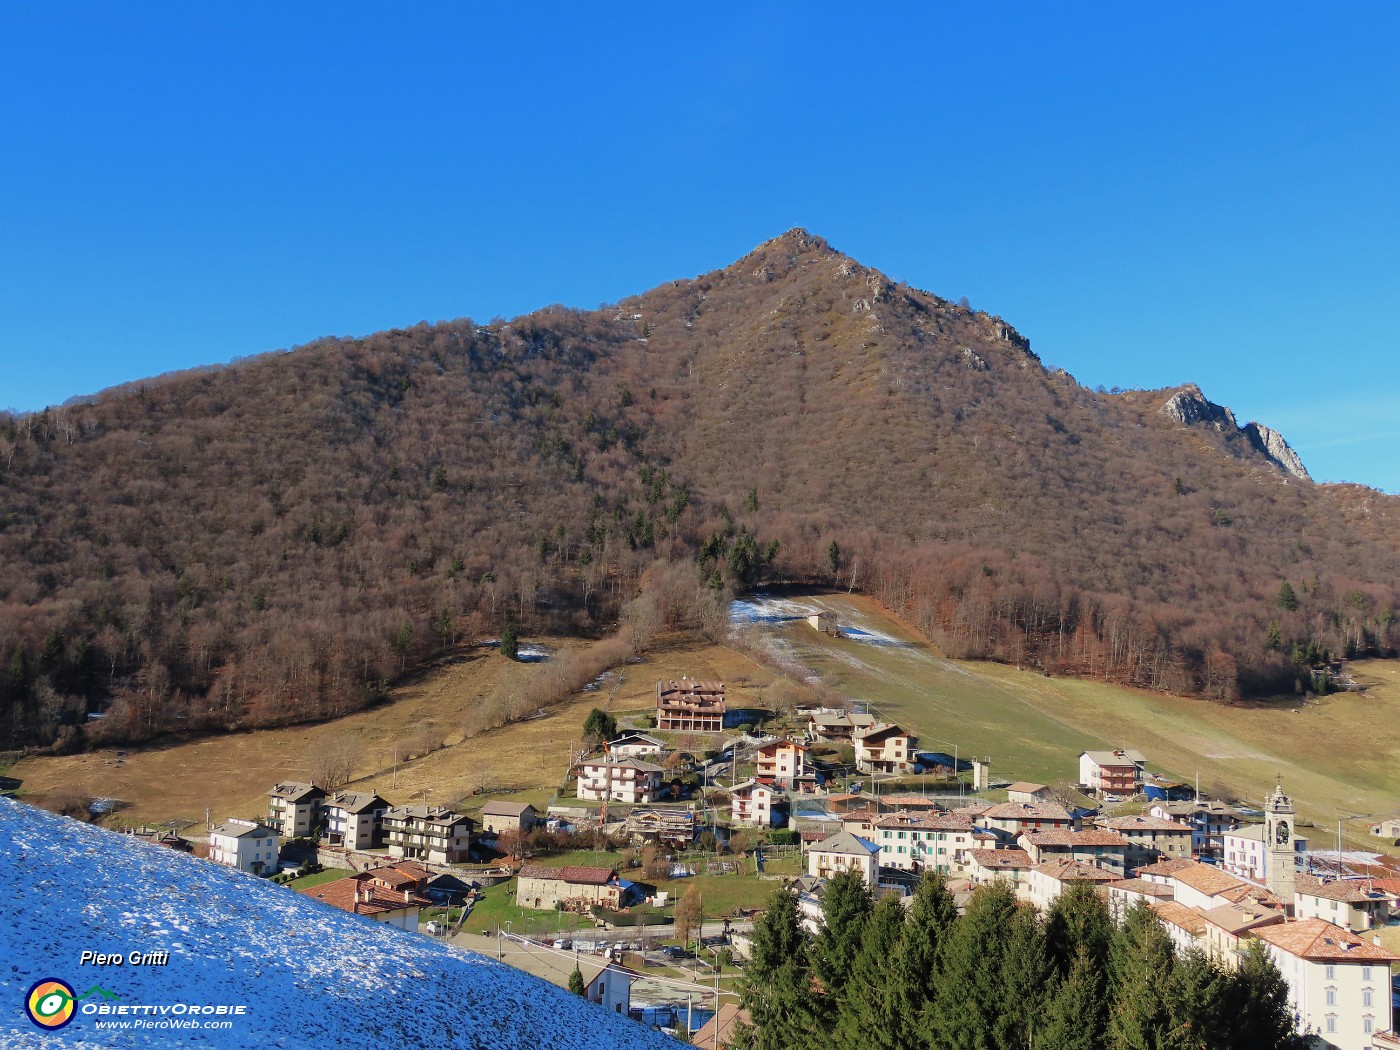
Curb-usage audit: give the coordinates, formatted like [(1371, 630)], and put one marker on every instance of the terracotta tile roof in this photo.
[(1206, 878), (1319, 940), (1075, 871), (974, 809), (1025, 811), (1166, 867), (720, 1029), (341, 894), (1189, 919), (1232, 918), (910, 801), (925, 822), (1122, 824), (1142, 887), (1026, 786), (1348, 891), (1072, 839), (1001, 859), (1247, 893)]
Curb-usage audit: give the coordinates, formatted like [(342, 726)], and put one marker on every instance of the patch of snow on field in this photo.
[(765, 608), (309, 974)]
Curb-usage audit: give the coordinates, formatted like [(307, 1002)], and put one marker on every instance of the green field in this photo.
[(1339, 756)]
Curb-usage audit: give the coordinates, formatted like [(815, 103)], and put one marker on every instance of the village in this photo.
[(640, 880)]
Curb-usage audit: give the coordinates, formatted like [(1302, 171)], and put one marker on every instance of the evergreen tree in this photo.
[(776, 987), (870, 1015), (1195, 998), (1078, 920), (599, 725), (969, 999), (931, 915), (1077, 1015), (1025, 976), (1254, 1007), (845, 909), (1142, 957), (576, 984), (510, 642), (1287, 599)]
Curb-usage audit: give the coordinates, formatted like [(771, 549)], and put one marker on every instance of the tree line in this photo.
[(280, 540), (880, 976)]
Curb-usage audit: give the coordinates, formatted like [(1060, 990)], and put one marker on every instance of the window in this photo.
[(1331, 972), (1365, 973), (1366, 997), (1331, 998), (1368, 1025), (1331, 1022)]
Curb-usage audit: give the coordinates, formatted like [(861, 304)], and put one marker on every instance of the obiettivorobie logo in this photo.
[(52, 1003)]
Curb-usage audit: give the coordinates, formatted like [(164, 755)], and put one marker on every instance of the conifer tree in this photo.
[(1078, 919), (1077, 1015), (915, 966), (964, 1011), (776, 987), (576, 984), (871, 1015), (845, 909), (1255, 1009), (1195, 998), (1025, 975), (1142, 955)]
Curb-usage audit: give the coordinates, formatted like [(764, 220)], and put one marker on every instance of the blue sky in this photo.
[(1204, 192)]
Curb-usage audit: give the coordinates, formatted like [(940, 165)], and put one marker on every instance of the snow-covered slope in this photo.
[(309, 975)]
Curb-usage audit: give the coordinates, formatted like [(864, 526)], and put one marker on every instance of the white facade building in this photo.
[(1339, 985), (245, 845)]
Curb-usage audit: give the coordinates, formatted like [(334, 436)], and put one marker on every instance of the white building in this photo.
[(1011, 820), (884, 748), (931, 842), (753, 805), (429, 833), (354, 819), (781, 762), (1245, 853), (1338, 984), (245, 845), (1117, 773), (294, 809), (627, 780), (843, 852), (1045, 882), (1353, 904), (634, 745)]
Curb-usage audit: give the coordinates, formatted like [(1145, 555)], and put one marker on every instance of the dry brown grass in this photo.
[(229, 775)]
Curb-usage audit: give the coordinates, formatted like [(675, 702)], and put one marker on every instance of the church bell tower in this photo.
[(1278, 845)]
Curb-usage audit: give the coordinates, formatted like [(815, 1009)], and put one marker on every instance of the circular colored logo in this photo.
[(50, 1003)]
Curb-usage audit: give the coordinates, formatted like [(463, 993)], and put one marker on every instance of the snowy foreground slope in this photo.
[(309, 975)]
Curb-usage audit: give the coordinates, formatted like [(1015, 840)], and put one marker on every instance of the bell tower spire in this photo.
[(1279, 822)]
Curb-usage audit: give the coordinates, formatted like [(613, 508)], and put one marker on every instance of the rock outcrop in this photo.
[(1272, 445), (1189, 407)]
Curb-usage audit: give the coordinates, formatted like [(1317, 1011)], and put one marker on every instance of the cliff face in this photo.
[(1190, 407), (1272, 445)]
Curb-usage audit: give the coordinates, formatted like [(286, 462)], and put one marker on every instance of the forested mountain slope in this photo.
[(275, 540)]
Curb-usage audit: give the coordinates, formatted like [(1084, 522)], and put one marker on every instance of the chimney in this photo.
[(407, 896)]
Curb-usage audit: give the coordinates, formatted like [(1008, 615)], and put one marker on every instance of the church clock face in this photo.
[(1281, 833)]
